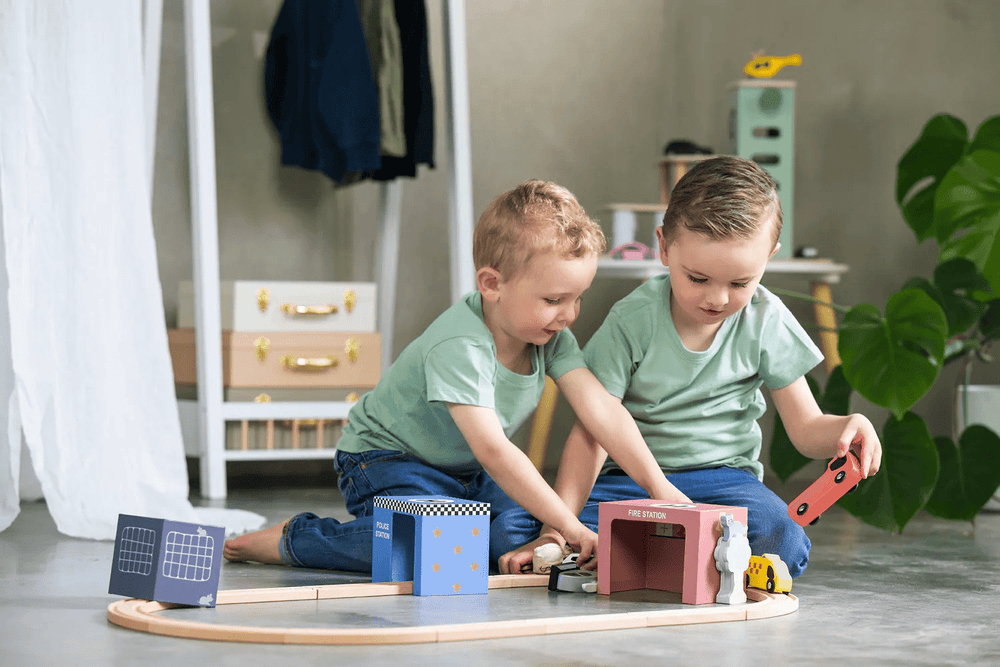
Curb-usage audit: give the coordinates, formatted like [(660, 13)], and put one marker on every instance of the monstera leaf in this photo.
[(968, 201), (893, 360), (939, 146), (969, 474), (960, 290), (987, 136), (890, 498), (989, 325)]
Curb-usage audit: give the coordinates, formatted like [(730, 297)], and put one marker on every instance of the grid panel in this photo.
[(188, 557), (136, 552)]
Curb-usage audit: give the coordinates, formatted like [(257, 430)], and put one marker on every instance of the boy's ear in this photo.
[(777, 247), (488, 282), (662, 245)]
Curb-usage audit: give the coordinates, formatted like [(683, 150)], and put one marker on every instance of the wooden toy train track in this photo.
[(146, 616)]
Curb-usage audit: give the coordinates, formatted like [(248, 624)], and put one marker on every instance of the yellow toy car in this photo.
[(769, 573)]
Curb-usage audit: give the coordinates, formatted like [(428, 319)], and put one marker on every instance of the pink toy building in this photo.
[(662, 546)]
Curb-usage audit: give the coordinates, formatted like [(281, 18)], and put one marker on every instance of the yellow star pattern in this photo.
[(475, 532), (475, 567), (436, 567), (458, 549), (457, 587), (437, 532)]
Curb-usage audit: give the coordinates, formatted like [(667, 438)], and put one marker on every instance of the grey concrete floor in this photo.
[(930, 596)]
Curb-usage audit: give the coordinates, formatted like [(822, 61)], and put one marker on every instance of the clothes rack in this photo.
[(213, 411)]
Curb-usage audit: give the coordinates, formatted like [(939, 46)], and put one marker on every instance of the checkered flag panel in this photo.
[(432, 505)]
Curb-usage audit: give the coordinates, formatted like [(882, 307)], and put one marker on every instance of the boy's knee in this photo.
[(785, 538)]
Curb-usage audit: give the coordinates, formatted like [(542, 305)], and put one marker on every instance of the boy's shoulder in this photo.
[(651, 295), (764, 306), (637, 316), (463, 319)]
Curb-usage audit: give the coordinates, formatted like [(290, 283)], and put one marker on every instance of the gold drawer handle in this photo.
[(292, 309), (352, 349), (262, 346), (306, 364)]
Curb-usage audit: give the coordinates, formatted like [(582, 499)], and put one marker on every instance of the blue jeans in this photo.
[(770, 529), (312, 541)]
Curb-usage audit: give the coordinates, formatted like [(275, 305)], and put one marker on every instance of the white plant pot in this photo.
[(979, 404)]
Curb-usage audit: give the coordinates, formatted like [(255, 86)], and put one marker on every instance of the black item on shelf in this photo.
[(685, 147)]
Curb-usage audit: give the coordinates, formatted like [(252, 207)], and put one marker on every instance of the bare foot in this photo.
[(261, 546)]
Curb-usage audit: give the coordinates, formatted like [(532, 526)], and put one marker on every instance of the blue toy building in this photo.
[(166, 561), (440, 543), (762, 129)]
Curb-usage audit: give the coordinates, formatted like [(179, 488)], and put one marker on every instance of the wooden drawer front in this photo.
[(304, 360), (183, 357), (253, 305), (268, 360)]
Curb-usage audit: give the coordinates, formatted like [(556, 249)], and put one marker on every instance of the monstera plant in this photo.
[(948, 189)]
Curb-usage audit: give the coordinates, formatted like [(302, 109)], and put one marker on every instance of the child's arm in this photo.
[(511, 469), (610, 424), (579, 466), (819, 435)]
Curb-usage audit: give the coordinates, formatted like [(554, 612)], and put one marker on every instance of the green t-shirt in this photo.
[(453, 361), (698, 409)]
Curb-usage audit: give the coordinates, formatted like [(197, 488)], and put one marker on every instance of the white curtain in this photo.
[(83, 346)]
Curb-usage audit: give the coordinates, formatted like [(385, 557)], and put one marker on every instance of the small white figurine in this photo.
[(548, 555), (732, 557)]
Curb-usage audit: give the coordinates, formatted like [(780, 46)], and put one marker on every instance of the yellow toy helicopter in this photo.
[(764, 67)]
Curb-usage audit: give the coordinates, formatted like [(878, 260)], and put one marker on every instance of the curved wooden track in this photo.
[(145, 616)]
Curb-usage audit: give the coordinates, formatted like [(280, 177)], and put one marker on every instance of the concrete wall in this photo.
[(586, 93)]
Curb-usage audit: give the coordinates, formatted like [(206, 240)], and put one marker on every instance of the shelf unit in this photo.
[(213, 411)]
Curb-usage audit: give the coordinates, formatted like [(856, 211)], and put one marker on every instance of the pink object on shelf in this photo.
[(661, 546), (633, 250)]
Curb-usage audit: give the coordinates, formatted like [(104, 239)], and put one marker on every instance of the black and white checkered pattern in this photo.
[(432, 505)]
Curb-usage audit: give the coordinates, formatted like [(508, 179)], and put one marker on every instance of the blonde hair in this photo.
[(533, 218), (722, 198)]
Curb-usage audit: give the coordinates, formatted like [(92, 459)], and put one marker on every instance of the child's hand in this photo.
[(583, 540), (860, 435), (521, 560)]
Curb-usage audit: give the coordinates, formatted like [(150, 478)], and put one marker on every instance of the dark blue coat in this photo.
[(320, 89)]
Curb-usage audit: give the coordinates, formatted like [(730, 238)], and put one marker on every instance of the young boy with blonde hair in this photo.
[(687, 353), (440, 419)]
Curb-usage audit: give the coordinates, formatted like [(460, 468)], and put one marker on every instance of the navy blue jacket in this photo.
[(320, 89)]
